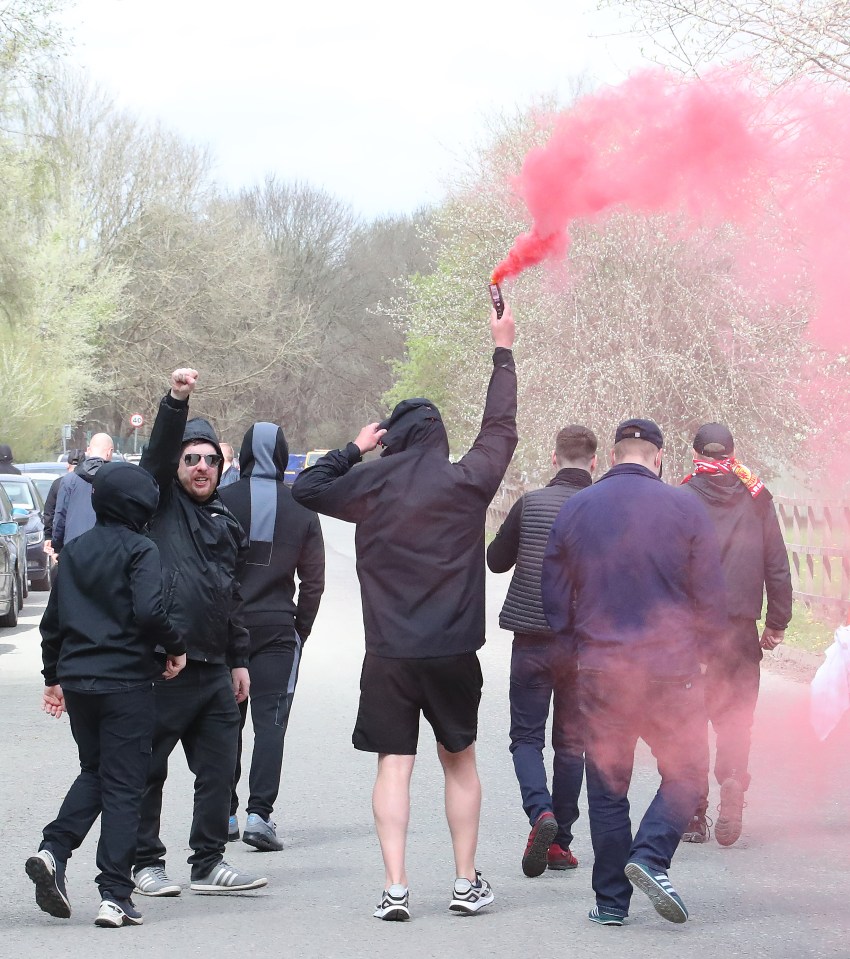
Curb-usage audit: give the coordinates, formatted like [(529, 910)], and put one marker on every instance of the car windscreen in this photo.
[(43, 484), (19, 493)]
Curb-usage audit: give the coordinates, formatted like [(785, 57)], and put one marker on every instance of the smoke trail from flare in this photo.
[(717, 149), (654, 144)]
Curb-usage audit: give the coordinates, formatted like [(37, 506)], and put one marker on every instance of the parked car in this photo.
[(9, 579), (313, 457), (17, 542), (43, 481), (57, 469), (294, 467), (24, 495)]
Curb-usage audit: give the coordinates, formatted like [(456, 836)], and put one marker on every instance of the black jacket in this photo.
[(420, 522), (521, 540), (284, 538), (105, 615), (6, 457), (50, 507), (199, 544), (752, 549)]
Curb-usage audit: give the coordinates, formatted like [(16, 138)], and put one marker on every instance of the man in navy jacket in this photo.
[(631, 575)]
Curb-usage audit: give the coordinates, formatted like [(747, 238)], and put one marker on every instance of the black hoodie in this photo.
[(6, 460), (284, 539), (420, 522), (105, 615), (199, 543), (753, 553)]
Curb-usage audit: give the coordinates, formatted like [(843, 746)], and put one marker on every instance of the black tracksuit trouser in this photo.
[(113, 735), (197, 709), (274, 675)]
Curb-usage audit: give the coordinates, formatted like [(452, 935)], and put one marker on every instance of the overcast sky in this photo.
[(373, 101)]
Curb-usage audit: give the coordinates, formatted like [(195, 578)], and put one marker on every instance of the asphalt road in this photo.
[(782, 891)]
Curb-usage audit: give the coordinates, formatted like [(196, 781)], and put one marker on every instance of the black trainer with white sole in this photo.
[(114, 913), (48, 874)]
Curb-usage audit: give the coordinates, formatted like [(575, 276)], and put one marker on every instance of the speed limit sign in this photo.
[(137, 420)]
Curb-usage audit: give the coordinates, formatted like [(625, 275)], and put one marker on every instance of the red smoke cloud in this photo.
[(717, 149)]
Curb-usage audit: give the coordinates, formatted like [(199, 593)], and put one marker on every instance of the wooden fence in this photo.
[(817, 536)]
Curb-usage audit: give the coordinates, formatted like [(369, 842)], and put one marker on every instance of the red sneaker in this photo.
[(561, 858), (539, 839)]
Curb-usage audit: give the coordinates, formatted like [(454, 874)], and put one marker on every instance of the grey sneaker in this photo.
[(224, 878), (233, 829), (152, 881), (114, 913), (48, 874), (260, 834)]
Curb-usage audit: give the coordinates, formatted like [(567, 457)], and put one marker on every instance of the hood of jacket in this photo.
[(720, 490), (199, 430), (416, 422), (5, 453), (124, 493), (264, 452), (89, 467)]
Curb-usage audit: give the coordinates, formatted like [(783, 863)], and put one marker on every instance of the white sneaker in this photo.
[(468, 897), (114, 914)]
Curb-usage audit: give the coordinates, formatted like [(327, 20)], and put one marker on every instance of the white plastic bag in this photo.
[(831, 686)]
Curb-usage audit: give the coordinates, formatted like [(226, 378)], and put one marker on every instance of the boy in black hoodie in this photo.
[(103, 621)]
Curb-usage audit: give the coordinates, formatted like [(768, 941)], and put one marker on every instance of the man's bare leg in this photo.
[(391, 809), (463, 806)]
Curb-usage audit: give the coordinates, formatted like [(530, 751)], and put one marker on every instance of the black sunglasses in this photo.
[(211, 459)]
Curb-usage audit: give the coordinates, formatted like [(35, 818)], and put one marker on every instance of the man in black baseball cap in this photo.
[(630, 576), (754, 561)]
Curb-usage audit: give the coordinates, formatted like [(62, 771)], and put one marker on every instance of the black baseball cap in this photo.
[(714, 439), (639, 429)]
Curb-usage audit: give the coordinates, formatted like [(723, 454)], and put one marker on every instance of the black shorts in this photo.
[(393, 692)]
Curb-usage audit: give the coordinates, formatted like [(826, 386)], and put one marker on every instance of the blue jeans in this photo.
[(669, 715), (543, 671)]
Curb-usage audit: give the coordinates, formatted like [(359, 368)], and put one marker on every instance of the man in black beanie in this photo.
[(199, 542)]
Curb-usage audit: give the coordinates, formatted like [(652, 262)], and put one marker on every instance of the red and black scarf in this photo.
[(728, 465)]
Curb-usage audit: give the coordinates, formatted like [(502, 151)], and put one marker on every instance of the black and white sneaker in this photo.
[(48, 874), (470, 897), (114, 913), (394, 904)]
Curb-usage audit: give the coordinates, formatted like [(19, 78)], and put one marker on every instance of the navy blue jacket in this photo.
[(632, 574)]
